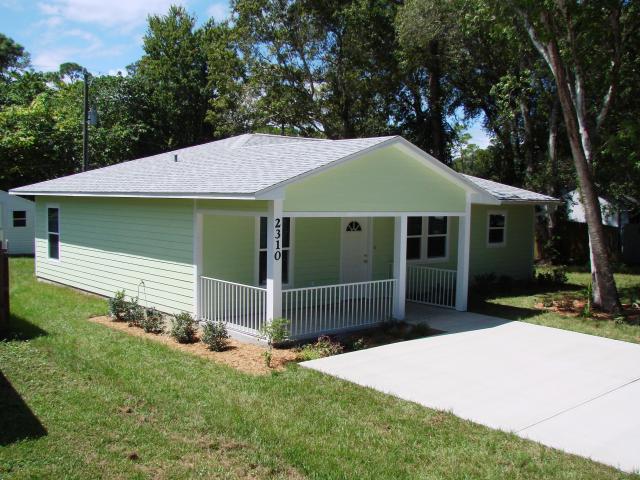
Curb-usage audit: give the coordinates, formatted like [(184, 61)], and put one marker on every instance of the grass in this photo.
[(517, 303), (80, 400)]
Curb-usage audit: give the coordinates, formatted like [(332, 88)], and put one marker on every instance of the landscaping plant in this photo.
[(324, 346), (275, 333), (183, 328), (118, 307), (152, 321), (134, 313), (215, 335)]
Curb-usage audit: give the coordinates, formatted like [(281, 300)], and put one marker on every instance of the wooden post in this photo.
[(4, 290), (275, 231)]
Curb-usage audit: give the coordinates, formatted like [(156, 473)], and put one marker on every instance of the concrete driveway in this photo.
[(571, 391)]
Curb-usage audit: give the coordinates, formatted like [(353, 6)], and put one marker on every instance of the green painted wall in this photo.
[(515, 259), (316, 251), (382, 247), (229, 248), (111, 244), (386, 180), (234, 205)]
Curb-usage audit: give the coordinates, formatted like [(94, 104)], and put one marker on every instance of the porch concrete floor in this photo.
[(567, 390)]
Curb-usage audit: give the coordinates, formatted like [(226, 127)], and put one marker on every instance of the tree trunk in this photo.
[(435, 103), (605, 295)]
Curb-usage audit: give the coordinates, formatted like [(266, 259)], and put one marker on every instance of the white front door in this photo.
[(355, 250)]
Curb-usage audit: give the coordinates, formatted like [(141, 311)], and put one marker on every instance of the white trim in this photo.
[(488, 227), (198, 219), (328, 214), (274, 263), (188, 196), (369, 247), (400, 266), (464, 247), (257, 249), (59, 232), (233, 213), (424, 242)]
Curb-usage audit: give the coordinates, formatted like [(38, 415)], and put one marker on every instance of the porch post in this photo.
[(274, 260), (464, 242), (400, 266)]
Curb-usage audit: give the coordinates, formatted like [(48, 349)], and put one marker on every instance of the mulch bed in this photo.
[(246, 357), (574, 307)]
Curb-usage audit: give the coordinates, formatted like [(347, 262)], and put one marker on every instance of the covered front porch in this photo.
[(326, 272)]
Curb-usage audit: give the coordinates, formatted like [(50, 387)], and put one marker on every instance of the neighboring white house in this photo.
[(17, 222), (611, 214)]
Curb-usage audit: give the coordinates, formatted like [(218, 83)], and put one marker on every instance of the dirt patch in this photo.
[(575, 307), (245, 357)]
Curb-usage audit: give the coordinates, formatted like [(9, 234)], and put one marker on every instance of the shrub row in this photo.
[(183, 326)]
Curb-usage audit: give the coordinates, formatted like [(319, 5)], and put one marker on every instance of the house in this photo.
[(17, 220), (330, 234), (622, 226)]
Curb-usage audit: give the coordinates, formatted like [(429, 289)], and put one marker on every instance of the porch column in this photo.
[(274, 260), (400, 266), (464, 242)]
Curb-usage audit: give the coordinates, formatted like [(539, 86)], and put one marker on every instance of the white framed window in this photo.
[(19, 218), (286, 251), (414, 238), (496, 228), (53, 232), (427, 238), (437, 234)]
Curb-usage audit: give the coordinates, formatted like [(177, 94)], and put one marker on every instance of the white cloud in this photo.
[(218, 11), (125, 14), (118, 71)]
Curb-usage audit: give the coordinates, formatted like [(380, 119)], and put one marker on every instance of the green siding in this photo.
[(229, 248), (316, 251), (234, 205), (113, 244), (386, 180), (383, 238), (515, 259)]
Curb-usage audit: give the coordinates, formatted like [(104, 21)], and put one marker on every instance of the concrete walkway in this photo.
[(567, 390)]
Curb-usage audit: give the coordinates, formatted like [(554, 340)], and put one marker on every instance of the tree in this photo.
[(12, 55), (583, 44), (173, 72)]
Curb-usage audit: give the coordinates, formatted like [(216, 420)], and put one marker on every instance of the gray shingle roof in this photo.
[(507, 193), (243, 165), (239, 165)]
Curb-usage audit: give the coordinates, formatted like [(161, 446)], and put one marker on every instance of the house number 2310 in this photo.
[(277, 237)]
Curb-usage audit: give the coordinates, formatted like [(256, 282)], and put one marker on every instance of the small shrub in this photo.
[(359, 344), (323, 347), (118, 307), (268, 356), (135, 313), (555, 276), (152, 322), (587, 310), (183, 328), (215, 335), (276, 331)]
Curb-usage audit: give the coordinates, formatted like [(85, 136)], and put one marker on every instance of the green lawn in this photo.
[(80, 400), (518, 302)]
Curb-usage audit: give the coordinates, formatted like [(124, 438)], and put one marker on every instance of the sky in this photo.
[(102, 35)]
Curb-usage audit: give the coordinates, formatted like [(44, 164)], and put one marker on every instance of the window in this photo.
[(354, 227), (496, 229), (414, 238), (19, 218), (286, 247), (437, 237), (427, 238), (53, 230)]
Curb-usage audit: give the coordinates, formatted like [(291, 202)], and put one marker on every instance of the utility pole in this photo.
[(85, 123)]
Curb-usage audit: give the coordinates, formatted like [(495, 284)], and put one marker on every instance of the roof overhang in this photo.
[(173, 195)]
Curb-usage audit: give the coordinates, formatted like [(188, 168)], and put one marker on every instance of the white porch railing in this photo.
[(433, 286), (243, 307), (317, 310)]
